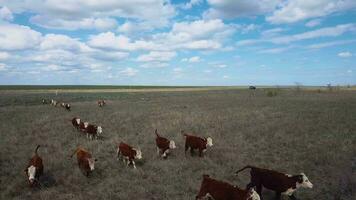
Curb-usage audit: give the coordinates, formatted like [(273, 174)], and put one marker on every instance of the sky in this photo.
[(177, 42)]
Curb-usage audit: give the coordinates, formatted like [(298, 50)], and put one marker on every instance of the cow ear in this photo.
[(300, 178)]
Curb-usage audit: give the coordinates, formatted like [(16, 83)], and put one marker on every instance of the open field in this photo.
[(295, 131)]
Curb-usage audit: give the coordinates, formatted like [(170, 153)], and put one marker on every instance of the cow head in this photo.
[(138, 153), (172, 144), (252, 194), (91, 162), (303, 181), (78, 121), (86, 124), (209, 142), (31, 173), (99, 130)]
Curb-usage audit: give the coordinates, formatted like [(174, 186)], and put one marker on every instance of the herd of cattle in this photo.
[(210, 188)]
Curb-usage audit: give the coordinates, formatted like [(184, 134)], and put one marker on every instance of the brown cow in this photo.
[(279, 182), (195, 142), (93, 131), (101, 103), (164, 145), (128, 153), (85, 161), (219, 190), (34, 168), (76, 122)]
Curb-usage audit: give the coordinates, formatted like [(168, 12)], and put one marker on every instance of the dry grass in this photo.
[(306, 132)]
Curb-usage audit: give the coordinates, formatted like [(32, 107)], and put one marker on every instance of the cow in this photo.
[(67, 106), (279, 182), (93, 131), (54, 103), (44, 101), (83, 126), (34, 169), (76, 122), (219, 190), (164, 145), (128, 153), (195, 142), (101, 103), (252, 87), (85, 161)]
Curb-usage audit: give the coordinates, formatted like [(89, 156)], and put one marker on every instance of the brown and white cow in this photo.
[(67, 106), (101, 103), (219, 190), (76, 122), (279, 182), (163, 145), (128, 153), (54, 103), (93, 131), (34, 168), (194, 142), (85, 160)]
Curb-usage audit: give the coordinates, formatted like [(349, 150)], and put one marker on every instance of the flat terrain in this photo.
[(291, 131)]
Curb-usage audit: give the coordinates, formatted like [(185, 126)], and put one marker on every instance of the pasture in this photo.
[(292, 132)]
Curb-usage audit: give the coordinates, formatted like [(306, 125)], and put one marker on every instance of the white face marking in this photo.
[(99, 130), (86, 124), (172, 144), (31, 173), (306, 183), (254, 195), (290, 191), (78, 121), (138, 154), (209, 142), (91, 163)]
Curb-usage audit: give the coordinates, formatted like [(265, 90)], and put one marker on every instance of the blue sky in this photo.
[(178, 42)]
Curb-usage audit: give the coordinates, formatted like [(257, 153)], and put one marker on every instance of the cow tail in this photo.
[(38, 146), (74, 153), (156, 133), (246, 167)]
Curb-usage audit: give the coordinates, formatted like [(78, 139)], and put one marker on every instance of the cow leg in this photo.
[(293, 197), (200, 153), (133, 163), (191, 151), (158, 151), (278, 196), (186, 149)]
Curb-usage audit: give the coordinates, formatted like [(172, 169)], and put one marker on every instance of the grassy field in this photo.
[(293, 131)]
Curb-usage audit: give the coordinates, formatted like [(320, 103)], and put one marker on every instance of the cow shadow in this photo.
[(47, 180)]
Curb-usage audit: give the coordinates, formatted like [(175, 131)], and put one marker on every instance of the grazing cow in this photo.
[(164, 145), (54, 103), (128, 153), (252, 87), (219, 190), (67, 106), (83, 126), (62, 104), (93, 131), (101, 103), (195, 142), (34, 168), (280, 183), (85, 161), (76, 122), (44, 101)]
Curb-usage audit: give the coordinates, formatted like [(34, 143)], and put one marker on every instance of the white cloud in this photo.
[(56, 41), (275, 50), (190, 4), (17, 37), (330, 44), (4, 55), (3, 67), (154, 65), (6, 14), (313, 23), (193, 59), (157, 56), (233, 9), (295, 10), (226, 77), (345, 54), (128, 72), (221, 66), (272, 32)]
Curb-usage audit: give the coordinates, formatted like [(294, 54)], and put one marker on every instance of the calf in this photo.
[(101, 103), (280, 183), (76, 122), (34, 169), (67, 106), (128, 153), (164, 145), (93, 131), (85, 161), (219, 190), (194, 142), (83, 126)]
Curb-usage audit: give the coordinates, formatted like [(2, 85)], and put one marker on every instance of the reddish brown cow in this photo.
[(34, 168), (195, 142), (164, 145), (76, 122), (93, 131), (85, 161), (219, 190), (280, 183), (128, 153)]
